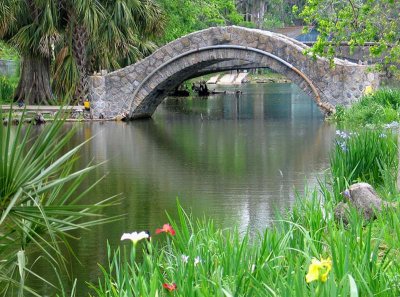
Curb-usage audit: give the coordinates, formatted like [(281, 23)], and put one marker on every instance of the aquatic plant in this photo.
[(319, 270), (135, 237), (274, 262), (166, 229), (368, 155)]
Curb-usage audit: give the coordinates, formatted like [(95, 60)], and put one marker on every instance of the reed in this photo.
[(369, 156), (202, 260)]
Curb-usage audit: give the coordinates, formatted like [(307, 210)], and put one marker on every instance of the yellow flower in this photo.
[(319, 270), (368, 90)]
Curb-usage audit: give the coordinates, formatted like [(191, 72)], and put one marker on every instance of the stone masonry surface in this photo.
[(136, 91)]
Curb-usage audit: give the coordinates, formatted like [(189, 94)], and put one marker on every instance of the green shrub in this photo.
[(7, 88), (379, 108), (368, 156), (7, 52)]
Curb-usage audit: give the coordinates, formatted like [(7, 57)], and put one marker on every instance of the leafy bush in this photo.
[(7, 88), (369, 156), (7, 52)]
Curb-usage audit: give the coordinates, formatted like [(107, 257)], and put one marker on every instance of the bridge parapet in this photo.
[(138, 89)]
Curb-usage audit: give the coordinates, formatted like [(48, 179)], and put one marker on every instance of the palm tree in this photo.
[(31, 26), (82, 34), (105, 35)]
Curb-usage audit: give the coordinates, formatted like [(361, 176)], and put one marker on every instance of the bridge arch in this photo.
[(136, 91)]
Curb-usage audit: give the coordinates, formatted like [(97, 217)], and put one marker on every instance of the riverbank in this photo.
[(39, 114), (265, 76), (306, 251), (269, 77)]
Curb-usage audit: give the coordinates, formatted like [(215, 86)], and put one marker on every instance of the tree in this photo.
[(186, 16), (356, 22), (31, 27), (80, 33), (112, 35), (267, 14)]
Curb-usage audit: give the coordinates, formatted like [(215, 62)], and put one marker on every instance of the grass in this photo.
[(275, 263), (376, 109)]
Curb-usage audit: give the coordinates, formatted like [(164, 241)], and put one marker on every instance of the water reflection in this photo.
[(232, 158)]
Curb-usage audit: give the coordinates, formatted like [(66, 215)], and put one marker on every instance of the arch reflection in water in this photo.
[(235, 159)]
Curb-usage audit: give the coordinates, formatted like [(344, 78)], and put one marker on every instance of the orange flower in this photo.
[(167, 229), (170, 287)]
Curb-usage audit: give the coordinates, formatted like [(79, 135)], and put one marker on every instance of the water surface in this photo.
[(233, 158)]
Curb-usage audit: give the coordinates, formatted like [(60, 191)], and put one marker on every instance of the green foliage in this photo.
[(39, 202), (7, 88), (81, 36), (274, 263), (369, 156), (7, 52), (356, 22), (281, 14), (186, 16), (381, 107)]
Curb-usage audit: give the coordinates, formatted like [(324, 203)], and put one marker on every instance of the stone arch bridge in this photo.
[(136, 90)]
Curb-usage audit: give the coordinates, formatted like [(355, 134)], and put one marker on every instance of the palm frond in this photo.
[(40, 198)]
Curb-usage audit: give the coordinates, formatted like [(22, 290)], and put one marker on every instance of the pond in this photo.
[(235, 158)]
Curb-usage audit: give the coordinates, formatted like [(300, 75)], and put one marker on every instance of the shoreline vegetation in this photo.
[(306, 250), (40, 204)]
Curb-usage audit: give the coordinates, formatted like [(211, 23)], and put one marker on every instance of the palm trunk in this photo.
[(34, 84), (79, 48)]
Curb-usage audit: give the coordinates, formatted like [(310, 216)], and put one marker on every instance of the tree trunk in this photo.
[(79, 48), (34, 84)]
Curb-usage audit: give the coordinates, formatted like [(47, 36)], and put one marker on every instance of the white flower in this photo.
[(197, 260), (184, 258), (134, 236)]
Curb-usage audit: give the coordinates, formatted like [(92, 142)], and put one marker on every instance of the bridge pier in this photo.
[(136, 91)]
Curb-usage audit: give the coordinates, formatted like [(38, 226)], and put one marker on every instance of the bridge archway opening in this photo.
[(165, 78)]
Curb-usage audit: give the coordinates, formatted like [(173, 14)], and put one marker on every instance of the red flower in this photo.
[(167, 229), (170, 287)]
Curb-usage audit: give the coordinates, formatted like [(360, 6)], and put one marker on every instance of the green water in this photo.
[(233, 158)]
